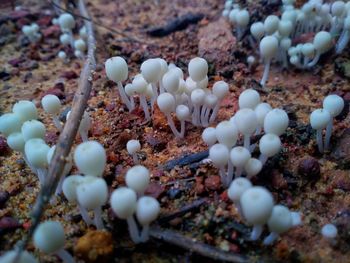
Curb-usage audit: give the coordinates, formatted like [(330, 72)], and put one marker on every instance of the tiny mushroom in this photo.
[(52, 105), (137, 178), (133, 146)]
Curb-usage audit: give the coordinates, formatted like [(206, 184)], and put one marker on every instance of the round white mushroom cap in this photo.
[(66, 21), (90, 158), (323, 42), (209, 136), (123, 202), (9, 257), (139, 84), (182, 112), (198, 69), (280, 220), (233, 15), (248, 99), (276, 121), (62, 55), (257, 30), (166, 102), (308, 50), (226, 133), (252, 167), (36, 152), (338, 8), (219, 154), (261, 110), (242, 18), (163, 66), (49, 237), (129, 89), (210, 100), (69, 187), (147, 210), (246, 121), (285, 27), (171, 82), (271, 24), (137, 178), (257, 204), (319, 119), (26, 110), (220, 89), (51, 104), (237, 188), (132, 146), (116, 69), (92, 192), (334, 104), (239, 156), (268, 47), (151, 70), (65, 39), (16, 141), (33, 129), (10, 123), (80, 45), (270, 144), (198, 97), (329, 231)]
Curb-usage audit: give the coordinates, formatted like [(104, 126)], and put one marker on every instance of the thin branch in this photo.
[(177, 239), (66, 139)]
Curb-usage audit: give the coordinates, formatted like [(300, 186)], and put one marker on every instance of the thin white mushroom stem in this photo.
[(246, 143), (315, 60), (342, 42), (144, 233), (203, 112), (65, 256), (270, 238), (42, 175), (135, 158), (85, 215), (329, 129), (256, 232), (84, 135), (173, 128), (215, 112), (239, 171), (98, 218), (57, 123), (161, 87), (144, 105), (206, 117), (196, 116), (229, 172), (262, 159), (266, 72), (124, 97), (133, 230), (155, 94), (319, 140)]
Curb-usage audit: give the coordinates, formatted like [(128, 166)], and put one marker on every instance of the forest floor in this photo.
[(313, 184)]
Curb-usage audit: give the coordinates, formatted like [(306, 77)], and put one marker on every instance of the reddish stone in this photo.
[(4, 148), (199, 187), (112, 157), (309, 168), (158, 173), (156, 142), (278, 182), (213, 182), (69, 75), (52, 31), (26, 225), (155, 190), (224, 196), (9, 223)]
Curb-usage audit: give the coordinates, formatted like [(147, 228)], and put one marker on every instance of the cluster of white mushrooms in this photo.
[(325, 23), (189, 100), (32, 32), (256, 206), (253, 117)]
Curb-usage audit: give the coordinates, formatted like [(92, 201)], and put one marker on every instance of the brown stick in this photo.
[(192, 245), (66, 139)]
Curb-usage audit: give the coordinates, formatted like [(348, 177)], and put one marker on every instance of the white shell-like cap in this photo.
[(209, 136), (239, 156), (242, 18), (276, 121), (198, 97), (252, 167), (203, 84), (237, 188), (166, 102), (80, 45), (10, 123), (257, 204), (176, 70), (10, 256), (338, 8), (139, 84), (323, 41), (132, 146), (271, 24), (198, 69), (257, 30), (147, 210), (69, 187), (90, 158), (329, 231), (246, 121), (319, 119), (116, 69), (151, 70), (211, 100), (49, 237), (62, 55), (285, 43), (268, 47), (92, 192), (308, 50), (33, 129), (163, 66), (26, 110), (51, 104), (123, 202), (220, 89), (270, 144), (171, 82), (219, 154), (334, 104), (65, 39), (16, 141), (280, 220), (190, 86), (66, 21), (233, 15), (285, 27), (129, 89), (182, 112), (226, 133), (83, 33), (78, 54), (137, 178), (36, 152), (261, 110), (248, 99)]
